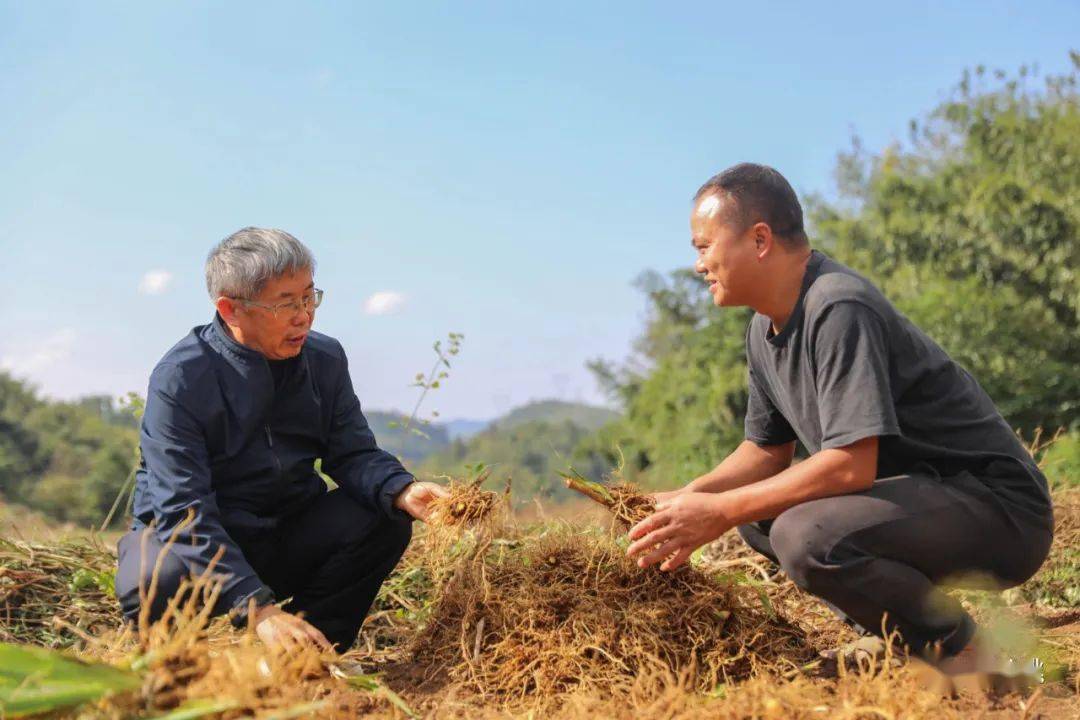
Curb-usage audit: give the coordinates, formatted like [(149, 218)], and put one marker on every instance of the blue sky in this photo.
[(500, 170)]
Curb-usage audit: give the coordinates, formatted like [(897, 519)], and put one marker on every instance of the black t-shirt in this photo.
[(848, 366)]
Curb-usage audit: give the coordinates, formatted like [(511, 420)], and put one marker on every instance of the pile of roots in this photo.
[(538, 616)]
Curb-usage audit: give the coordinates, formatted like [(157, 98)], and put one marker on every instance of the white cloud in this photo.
[(48, 352), (384, 302), (155, 282)]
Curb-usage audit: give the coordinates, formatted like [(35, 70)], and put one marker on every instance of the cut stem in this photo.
[(592, 490)]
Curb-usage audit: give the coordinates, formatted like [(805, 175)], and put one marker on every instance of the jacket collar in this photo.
[(257, 364), (224, 342)]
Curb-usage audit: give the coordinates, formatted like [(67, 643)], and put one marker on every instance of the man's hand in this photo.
[(279, 629), (666, 495), (416, 498), (680, 525)]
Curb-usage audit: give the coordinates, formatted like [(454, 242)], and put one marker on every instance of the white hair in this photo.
[(241, 264)]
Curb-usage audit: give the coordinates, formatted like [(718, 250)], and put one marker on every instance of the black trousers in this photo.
[(883, 553), (330, 557)]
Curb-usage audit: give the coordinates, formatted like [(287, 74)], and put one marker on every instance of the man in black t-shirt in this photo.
[(913, 477)]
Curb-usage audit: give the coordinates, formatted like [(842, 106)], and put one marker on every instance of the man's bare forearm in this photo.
[(748, 463), (838, 471)]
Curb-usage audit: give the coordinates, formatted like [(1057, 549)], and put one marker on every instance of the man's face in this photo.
[(726, 256), (282, 334)]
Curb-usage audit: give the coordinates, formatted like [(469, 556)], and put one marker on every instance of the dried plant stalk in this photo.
[(623, 500)]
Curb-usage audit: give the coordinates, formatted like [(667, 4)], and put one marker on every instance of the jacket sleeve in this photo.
[(178, 482), (368, 474)]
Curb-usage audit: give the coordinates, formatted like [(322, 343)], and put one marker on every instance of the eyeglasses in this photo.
[(293, 307)]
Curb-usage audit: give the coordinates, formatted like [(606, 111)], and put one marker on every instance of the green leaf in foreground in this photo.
[(35, 680)]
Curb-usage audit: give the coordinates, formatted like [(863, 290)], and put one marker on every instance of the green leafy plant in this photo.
[(103, 581), (432, 380)]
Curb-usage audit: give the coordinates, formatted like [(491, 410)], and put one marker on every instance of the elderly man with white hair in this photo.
[(237, 415)]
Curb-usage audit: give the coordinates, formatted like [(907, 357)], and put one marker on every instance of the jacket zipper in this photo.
[(270, 443)]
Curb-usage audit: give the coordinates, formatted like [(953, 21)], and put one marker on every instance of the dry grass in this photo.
[(550, 620), (50, 592)]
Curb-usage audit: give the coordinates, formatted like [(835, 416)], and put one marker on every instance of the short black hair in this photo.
[(761, 194)]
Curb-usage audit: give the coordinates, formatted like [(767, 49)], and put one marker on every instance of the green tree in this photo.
[(21, 454), (67, 459), (972, 230)]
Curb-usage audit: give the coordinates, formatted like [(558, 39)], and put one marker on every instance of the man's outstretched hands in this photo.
[(279, 629), (683, 522), (416, 498)]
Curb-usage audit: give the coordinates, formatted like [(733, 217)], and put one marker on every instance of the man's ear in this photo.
[(764, 240), (226, 308)]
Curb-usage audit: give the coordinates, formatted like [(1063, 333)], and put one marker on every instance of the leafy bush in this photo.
[(1061, 462)]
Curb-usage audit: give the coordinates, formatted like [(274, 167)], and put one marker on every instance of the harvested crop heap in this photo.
[(570, 610), (535, 616)]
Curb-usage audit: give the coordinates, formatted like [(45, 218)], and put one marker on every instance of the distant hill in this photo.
[(414, 448), (529, 444), (464, 428), (588, 417), (406, 444)]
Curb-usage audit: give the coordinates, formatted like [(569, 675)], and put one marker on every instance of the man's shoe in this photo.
[(867, 652)]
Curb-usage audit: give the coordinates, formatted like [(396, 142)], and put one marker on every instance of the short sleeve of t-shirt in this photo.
[(851, 366), (764, 424)]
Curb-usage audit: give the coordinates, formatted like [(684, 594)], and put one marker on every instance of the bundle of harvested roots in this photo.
[(623, 500), (467, 504)]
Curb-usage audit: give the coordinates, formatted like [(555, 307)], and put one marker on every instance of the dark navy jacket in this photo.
[(218, 439)]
